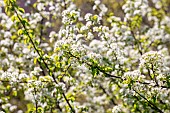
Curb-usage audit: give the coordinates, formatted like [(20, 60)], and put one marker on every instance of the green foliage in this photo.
[(76, 57)]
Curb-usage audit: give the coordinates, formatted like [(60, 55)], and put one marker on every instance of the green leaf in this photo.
[(154, 99), (108, 69), (13, 1), (95, 17), (20, 32), (14, 93), (35, 60), (25, 22), (21, 10), (29, 107), (40, 110), (95, 71), (13, 17), (6, 9)]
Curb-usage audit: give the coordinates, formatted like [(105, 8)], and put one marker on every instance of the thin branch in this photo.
[(149, 73), (110, 75), (57, 104), (107, 74), (36, 103), (41, 29), (154, 75), (46, 65), (152, 105), (103, 89), (43, 71), (137, 42)]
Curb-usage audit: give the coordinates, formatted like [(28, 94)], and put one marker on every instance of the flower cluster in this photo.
[(67, 56)]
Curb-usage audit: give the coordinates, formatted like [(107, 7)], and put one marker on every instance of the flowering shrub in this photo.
[(58, 58)]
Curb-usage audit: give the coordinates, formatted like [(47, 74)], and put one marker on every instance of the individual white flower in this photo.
[(44, 45), (94, 43), (40, 6), (97, 2), (137, 4), (20, 111), (127, 10), (45, 14), (26, 50), (22, 76), (12, 108), (4, 49), (90, 36), (100, 99), (83, 28), (103, 9), (52, 34), (137, 12), (158, 5), (48, 24), (20, 59), (89, 23), (116, 109), (88, 16), (27, 2), (38, 17), (96, 29), (2, 112), (79, 36), (37, 69), (7, 34), (2, 3), (51, 8), (94, 7)]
